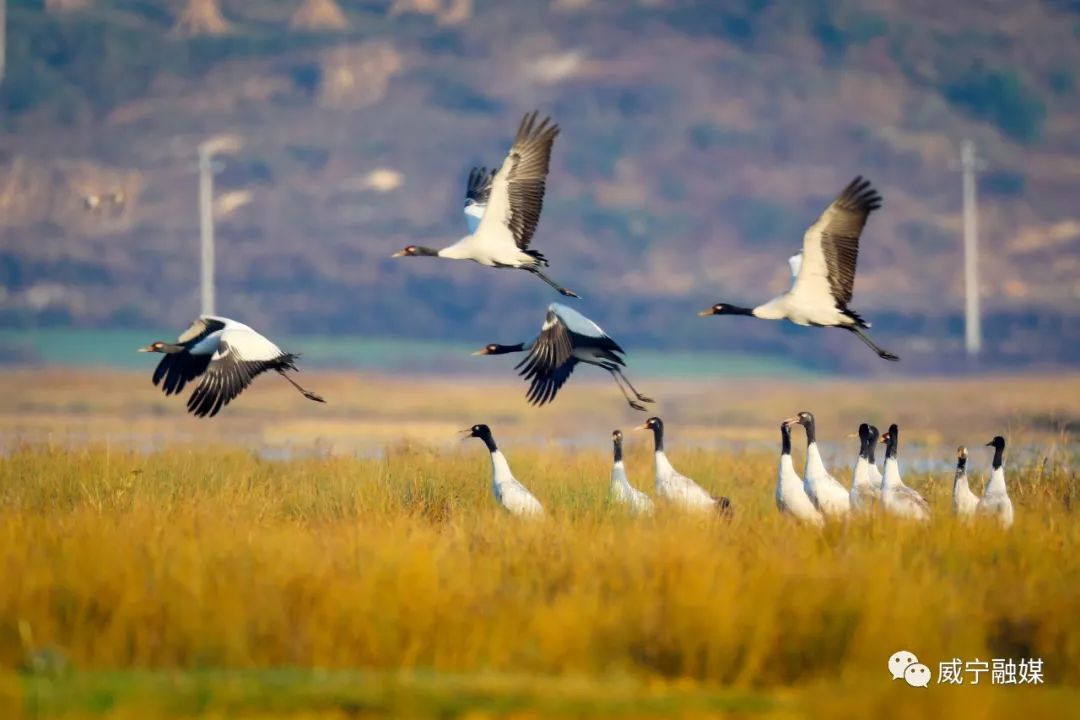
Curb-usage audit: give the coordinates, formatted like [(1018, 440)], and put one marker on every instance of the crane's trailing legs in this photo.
[(559, 288), (881, 352)]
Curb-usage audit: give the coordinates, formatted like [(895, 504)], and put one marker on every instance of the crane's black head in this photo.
[(657, 426), (616, 440), (864, 440), (483, 432), (871, 442), (654, 423), (961, 457), (415, 251), (725, 309), (804, 418), (891, 438), (477, 431), (162, 347), (496, 349)]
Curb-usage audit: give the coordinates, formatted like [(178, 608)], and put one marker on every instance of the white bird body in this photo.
[(864, 494), (676, 488), (995, 502), (487, 250), (964, 501), (791, 497), (510, 493), (897, 499), (827, 494)]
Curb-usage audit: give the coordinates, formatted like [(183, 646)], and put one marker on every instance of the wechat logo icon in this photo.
[(903, 665)]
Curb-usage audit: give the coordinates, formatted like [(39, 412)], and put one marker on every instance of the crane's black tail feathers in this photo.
[(538, 256), (856, 317)]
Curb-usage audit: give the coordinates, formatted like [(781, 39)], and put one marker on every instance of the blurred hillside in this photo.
[(699, 140)]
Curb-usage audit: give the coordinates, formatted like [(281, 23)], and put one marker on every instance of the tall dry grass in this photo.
[(208, 557)]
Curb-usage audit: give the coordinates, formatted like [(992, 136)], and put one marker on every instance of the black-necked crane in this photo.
[(825, 271), (514, 199), (566, 338), (897, 498), (674, 487), (509, 493), (227, 355), (827, 494), (964, 501), (995, 500), (622, 492), (865, 489)]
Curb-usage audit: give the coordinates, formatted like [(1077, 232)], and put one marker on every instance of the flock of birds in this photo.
[(502, 210), (815, 498)]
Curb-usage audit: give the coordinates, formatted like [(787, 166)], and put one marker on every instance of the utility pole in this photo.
[(207, 167), (206, 226), (969, 165)]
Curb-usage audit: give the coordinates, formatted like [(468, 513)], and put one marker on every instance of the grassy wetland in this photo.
[(301, 561)]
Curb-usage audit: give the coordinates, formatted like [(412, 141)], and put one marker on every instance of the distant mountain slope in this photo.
[(698, 142)]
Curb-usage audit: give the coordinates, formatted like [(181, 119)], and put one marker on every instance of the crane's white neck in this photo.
[(500, 469), (618, 475), (663, 465), (787, 470), (814, 465), (997, 481), (861, 476), (891, 478)]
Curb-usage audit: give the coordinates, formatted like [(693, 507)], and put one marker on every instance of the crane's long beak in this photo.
[(644, 426), (148, 348), (706, 312), (792, 420), (399, 253), (852, 435), (481, 351)]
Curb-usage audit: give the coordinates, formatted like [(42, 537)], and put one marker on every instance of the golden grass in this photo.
[(201, 559), (199, 579)]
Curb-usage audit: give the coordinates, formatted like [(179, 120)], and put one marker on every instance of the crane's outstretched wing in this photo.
[(476, 195), (517, 189), (178, 369), (831, 245)]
